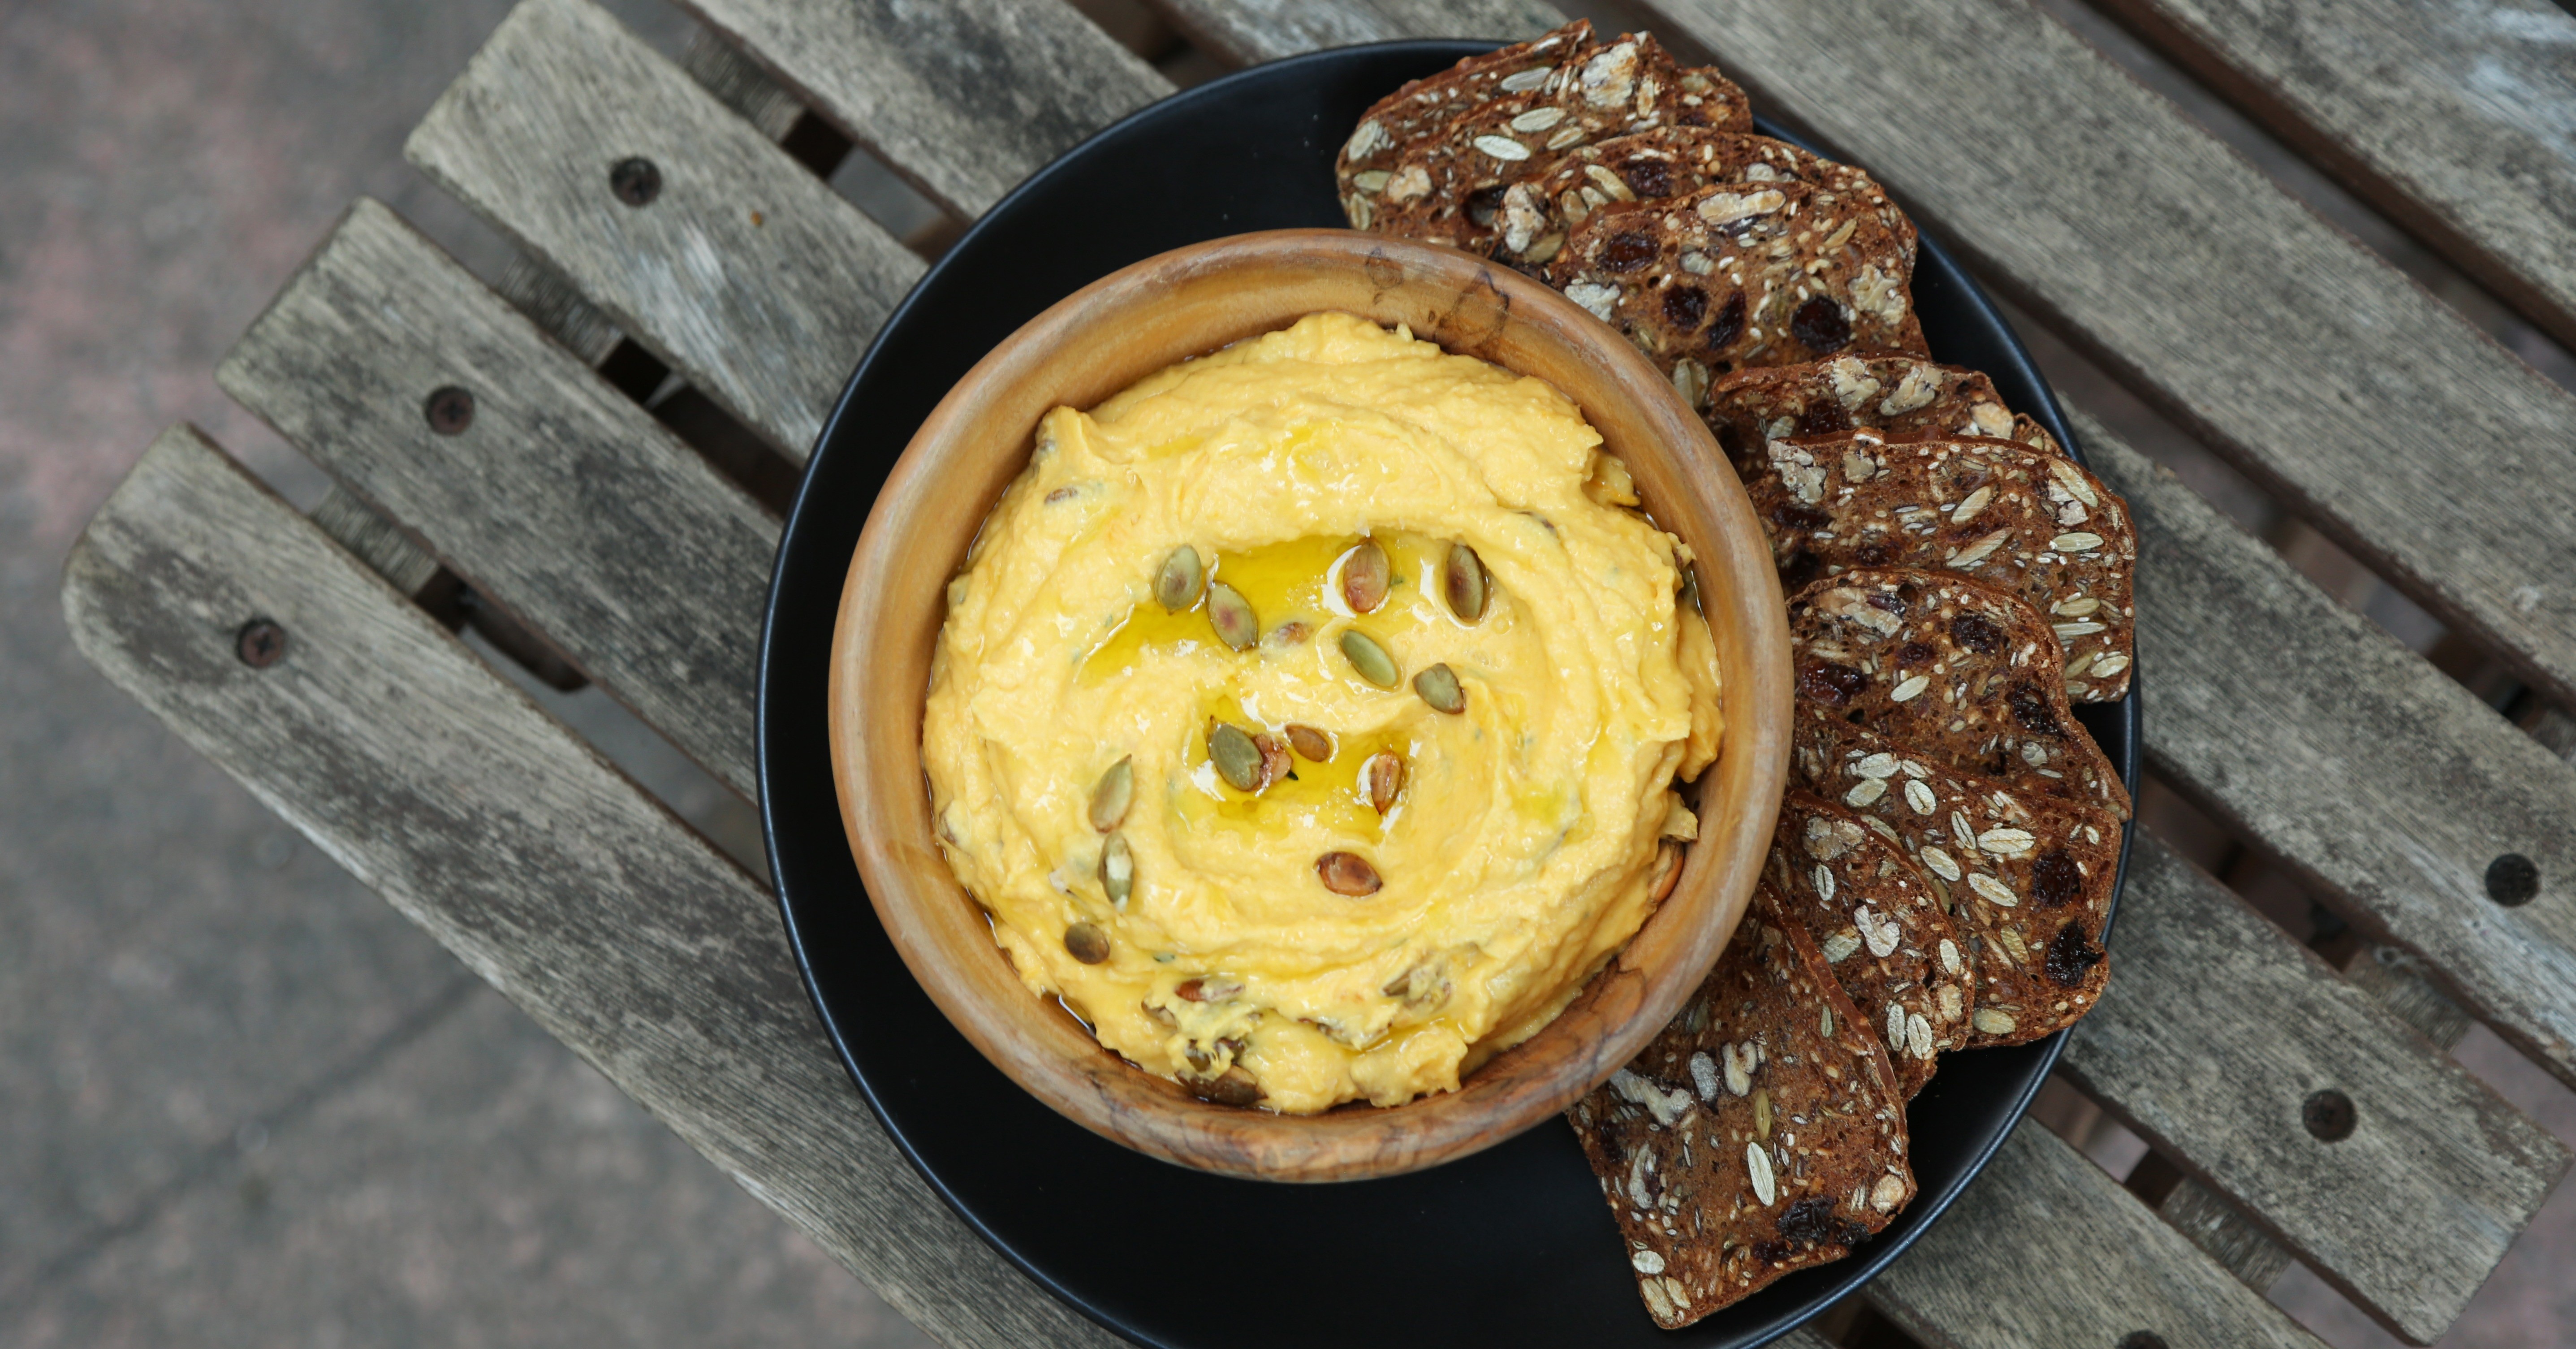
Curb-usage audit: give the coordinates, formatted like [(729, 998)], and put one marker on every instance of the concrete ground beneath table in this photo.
[(241, 1100)]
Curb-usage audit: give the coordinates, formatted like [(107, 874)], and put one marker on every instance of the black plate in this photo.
[(1512, 1246)]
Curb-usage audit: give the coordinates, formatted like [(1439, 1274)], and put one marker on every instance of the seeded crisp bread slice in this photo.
[(1881, 927), (1399, 123), (1759, 1134), (1952, 669), (2027, 882), (1669, 161), (2032, 524), (1455, 187), (1897, 396), (1742, 275)]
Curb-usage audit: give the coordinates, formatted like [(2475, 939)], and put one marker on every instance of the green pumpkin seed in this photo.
[(1236, 626), (1373, 661), (1383, 776), (1237, 757), (1311, 745), (1117, 870), (1762, 1113), (1111, 795), (1087, 943), (1462, 583), (1176, 582), (1439, 687), (1364, 577)]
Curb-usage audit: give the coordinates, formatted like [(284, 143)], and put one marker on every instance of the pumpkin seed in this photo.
[(1438, 686), (1237, 758), (1346, 873), (1234, 1087), (1176, 582), (1236, 626), (1088, 944), (1111, 796), (1311, 745), (1383, 777), (1374, 663), (1365, 574), (1462, 583), (1117, 870)]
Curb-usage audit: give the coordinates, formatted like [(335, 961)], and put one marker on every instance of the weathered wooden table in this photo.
[(673, 222)]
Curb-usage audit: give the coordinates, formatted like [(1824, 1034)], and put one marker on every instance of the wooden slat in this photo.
[(1243, 32), (2214, 1225), (564, 503), (2215, 1031), (964, 98), (2385, 786), (2045, 1249), (499, 831), (2451, 118), (747, 274), (2328, 376)]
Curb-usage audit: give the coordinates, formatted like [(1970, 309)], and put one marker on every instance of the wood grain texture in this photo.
[(964, 98), (1104, 338), (432, 779), (2215, 1030), (746, 274), (2452, 117), (564, 503), (2328, 376), (2214, 1225), (1245, 32), (2383, 784), (2046, 1249)]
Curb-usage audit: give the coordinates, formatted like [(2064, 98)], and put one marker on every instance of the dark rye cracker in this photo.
[(1669, 161), (1399, 123), (2032, 524), (1953, 670), (1451, 187), (1899, 396), (1769, 1058), (1881, 927), (2027, 882), (1742, 275)]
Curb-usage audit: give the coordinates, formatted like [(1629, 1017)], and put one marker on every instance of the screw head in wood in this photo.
[(2512, 880), (450, 409), (636, 181), (2329, 1116), (2142, 1339), (260, 643)]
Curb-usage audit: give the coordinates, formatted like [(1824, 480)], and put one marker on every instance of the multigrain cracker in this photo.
[(1398, 124), (1881, 927), (2027, 881), (1760, 1133), (1900, 397), (1669, 161), (1466, 185), (2033, 524), (1949, 668), (1742, 275)]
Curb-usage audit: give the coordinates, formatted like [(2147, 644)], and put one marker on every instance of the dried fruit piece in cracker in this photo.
[(1901, 397), (1952, 669), (1881, 927), (1401, 122), (1758, 1134), (1742, 274), (1465, 185), (2024, 521), (1670, 161), (2027, 881)]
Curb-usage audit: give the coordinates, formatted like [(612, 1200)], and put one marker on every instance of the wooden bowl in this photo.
[(1100, 340)]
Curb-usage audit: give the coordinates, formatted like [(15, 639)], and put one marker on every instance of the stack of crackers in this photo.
[(1947, 848)]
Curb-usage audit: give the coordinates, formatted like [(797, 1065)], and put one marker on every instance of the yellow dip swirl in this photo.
[(1522, 849)]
